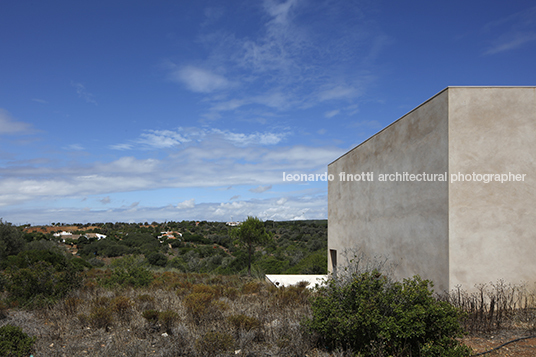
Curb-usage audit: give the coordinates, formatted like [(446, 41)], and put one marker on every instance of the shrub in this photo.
[(14, 342), (198, 304), (214, 343), (372, 315), (101, 317), (151, 316), (39, 284), (168, 319), (71, 305), (251, 287), (243, 322), (290, 295), (11, 240), (157, 259), (3, 310), (122, 307), (135, 276)]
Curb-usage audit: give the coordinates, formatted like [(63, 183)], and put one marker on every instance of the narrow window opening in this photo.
[(333, 256)]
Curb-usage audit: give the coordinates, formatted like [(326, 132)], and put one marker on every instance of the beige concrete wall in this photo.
[(405, 221), (492, 226)]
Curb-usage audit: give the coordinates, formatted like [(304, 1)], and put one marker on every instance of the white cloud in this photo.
[(187, 204), (511, 32), (106, 200), (261, 189), (200, 80), (338, 92), (241, 139), (83, 93), (299, 206), (161, 139), (289, 63), (8, 125), (121, 147), (332, 113), (282, 200), (511, 42), (74, 147), (164, 139)]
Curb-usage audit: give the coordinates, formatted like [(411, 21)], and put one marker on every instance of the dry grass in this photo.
[(193, 315), (183, 314)]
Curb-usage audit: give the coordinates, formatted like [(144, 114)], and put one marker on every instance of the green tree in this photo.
[(11, 240), (251, 233)]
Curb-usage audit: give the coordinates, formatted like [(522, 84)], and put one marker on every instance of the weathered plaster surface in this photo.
[(492, 227), (404, 221), (450, 232)]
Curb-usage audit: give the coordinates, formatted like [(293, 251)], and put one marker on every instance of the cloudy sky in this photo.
[(137, 111)]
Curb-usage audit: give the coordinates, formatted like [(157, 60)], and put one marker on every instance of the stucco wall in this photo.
[(492, 226), (404, 221)]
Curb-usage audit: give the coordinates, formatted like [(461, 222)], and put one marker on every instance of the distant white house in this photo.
[(63, 234), (68, 235), (234, 224), (95, 235), (169, 235)]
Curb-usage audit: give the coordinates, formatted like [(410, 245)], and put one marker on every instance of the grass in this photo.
[(188, 314), (177, 315)]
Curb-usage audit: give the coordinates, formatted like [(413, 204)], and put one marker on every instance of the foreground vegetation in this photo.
[(54, 304)]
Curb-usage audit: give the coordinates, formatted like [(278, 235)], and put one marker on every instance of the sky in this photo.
[(142, 111)]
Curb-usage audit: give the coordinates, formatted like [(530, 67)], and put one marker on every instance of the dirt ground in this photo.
[(523, 348)]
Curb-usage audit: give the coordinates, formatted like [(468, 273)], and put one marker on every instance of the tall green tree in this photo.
[(11, 240), (251, 233)]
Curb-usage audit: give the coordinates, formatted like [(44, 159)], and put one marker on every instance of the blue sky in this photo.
[(137, 111)]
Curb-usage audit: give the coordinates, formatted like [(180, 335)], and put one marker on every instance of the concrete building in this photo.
[(448, 191)]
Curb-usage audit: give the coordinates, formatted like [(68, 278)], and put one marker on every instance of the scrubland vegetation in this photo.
[(55, 304)]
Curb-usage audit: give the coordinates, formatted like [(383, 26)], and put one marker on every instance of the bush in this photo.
[(101, 317), (157, 259), (243, 322), (135, 275), (71, 305), (374, 316), (14, 342), (122, 307), (214, 343), (168, 319), (198, 304), (39, 284), (3, 310), (11, 240)]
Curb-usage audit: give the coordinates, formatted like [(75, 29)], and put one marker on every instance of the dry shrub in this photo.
[(231, 293), (215, 291), (101, 301), (168, 319), (83, 319), (244, 322), (198, 304), (101, 317), (251, 287), (151, 316), (146, 301), (214, 343), (495, 306), (3, 310), (71, 304), (122, 307), (292, 295)]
